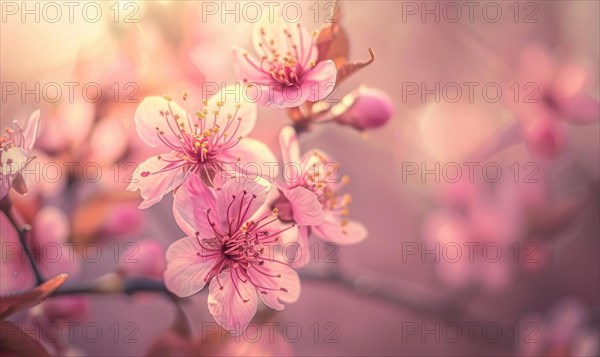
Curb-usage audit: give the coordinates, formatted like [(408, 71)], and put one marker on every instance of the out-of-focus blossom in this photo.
[(65, 308), (364, 108), (564, 331), (287, 73), (122, 219), (231, 244), (15, 147), (481, 220), (50, 235), (309, 197), (148, 260), (548, 92), (205, 144)]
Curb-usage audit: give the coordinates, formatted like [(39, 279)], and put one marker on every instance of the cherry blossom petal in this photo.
[(290, 149), (190, 206), (232, 310), (13, 161), (294, 241), (280, 282), (339, 231), (255, 157), (186, 270), (156, 185), (289, 97), (148, 119), (247, 68), (305, 42), (239, 199), (303, 250), (320, 81), (307, 209), (235, 121), (31, 131)]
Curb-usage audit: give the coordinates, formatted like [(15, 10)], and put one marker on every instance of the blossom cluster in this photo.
[(235, 225)]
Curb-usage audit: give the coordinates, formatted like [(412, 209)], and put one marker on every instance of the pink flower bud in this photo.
[(364, 108)]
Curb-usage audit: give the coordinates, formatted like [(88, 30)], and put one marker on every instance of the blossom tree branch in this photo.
[(400, 295), (23, 230)]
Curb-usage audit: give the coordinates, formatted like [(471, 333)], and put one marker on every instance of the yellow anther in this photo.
[(346, 200), (168, 98)]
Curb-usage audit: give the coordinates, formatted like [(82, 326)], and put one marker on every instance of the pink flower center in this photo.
[(285, 69), (320, 180), (242, 245), (10, 138), (200, 141)]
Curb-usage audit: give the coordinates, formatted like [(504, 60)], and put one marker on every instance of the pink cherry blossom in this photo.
[(15, 147), (550, 93), (309, 197), (148, 261), (483, 216), (207, 143), (287, 73), (230, 244)]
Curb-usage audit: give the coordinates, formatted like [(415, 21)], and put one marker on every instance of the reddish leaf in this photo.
[(16, 342), (350, 68), (21, 301), (333, 42)]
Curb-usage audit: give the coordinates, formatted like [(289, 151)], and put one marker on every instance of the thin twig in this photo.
[(23, 230)]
